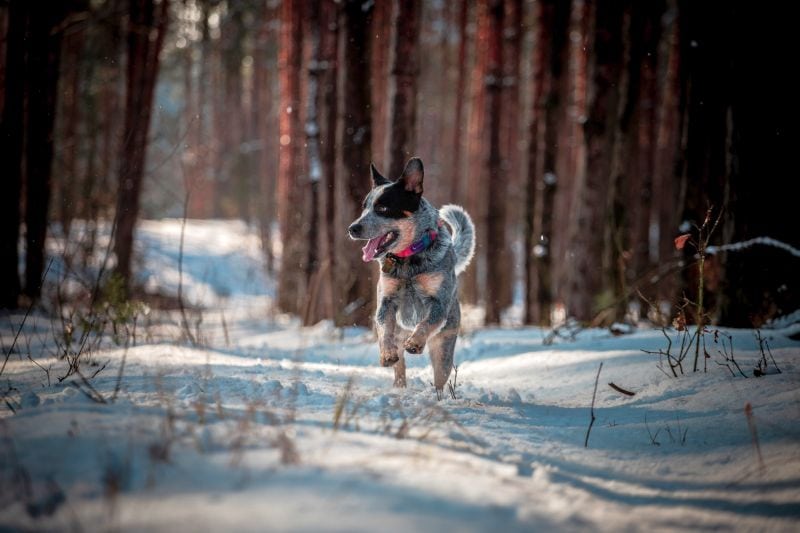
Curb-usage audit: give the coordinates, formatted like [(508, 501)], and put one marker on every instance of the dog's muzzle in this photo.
[(355, 230)]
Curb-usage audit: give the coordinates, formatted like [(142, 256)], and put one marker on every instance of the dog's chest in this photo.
[(410, 295)]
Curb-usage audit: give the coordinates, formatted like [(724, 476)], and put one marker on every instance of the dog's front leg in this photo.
[(385, 324), (429, 323)]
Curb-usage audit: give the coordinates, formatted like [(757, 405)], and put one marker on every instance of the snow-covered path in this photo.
[(268, 426)]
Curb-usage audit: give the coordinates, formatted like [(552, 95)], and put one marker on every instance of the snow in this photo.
[(270, 426)]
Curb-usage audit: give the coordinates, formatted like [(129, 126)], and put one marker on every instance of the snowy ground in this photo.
[(268, 426)]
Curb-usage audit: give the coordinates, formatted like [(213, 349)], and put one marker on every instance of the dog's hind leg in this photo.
[(442, 347)]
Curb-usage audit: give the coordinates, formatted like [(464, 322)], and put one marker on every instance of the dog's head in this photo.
[(394, 213)]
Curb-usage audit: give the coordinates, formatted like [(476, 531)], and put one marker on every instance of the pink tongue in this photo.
[(370, 248)]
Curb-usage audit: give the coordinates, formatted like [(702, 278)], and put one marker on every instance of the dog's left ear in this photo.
[(413, 175), (377, 178)]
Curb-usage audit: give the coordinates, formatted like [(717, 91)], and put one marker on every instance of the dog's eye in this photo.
[(381, 209)]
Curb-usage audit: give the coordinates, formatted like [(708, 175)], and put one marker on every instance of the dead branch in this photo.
[(594, 396), (621, 390)]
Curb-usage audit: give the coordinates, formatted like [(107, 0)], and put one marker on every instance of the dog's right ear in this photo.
[(377, 178)]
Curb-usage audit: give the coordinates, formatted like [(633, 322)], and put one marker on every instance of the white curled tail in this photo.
[(463, 234)]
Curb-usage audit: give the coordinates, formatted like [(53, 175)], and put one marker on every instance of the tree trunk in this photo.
[(44, 50), (142, 70), (316, 68), (380, 52), (329, 51), (263, 65), (542, 43), (356, 142), (495, 220), (456, 174), (585, 279), (11, 142), (551, 46), (291, 201), (476, 155), (405, 71), (510, 134)]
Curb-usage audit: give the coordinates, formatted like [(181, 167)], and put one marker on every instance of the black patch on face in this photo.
[(396, 202)]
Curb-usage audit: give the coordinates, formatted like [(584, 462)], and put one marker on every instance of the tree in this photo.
[(11, 142), (405, 71), (550, 92), (495, 220), (586, 281), (44, 52), (329, 53), (291, 207), (146, 19), (356, 142), (458, 135)]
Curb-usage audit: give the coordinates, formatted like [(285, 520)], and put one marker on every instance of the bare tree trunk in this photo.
[(142, 70), (542, 43), (510, 135), (265, 130), (329, 22), (12, 132), (316, 68), (66, 180), (356, 142), (405, 71), (642, 143), (44, 50), (456, 179), (380, 52), (291, 201), (551, 47), (665, 181), (476, 155), (495, 220), (585, 280)]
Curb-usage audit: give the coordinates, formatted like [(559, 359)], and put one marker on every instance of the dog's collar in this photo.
[(427, 239)]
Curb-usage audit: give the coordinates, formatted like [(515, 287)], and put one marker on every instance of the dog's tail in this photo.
[(463, 234)]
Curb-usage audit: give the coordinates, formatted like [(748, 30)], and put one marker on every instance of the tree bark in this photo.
[(44, 50), (495, 220), (380, 52), (585, 280), (405, 72), (329, 53), (356, 141), (291, 201), (142, 70), (456, 175), (11, 142)]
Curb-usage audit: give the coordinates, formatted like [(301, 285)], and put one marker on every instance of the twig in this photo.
[(24, 319), (751, 423), (621, 390), (184, 320), (594, 395)]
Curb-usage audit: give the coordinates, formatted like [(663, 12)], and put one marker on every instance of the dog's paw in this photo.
[(389, 355), (414, 345)]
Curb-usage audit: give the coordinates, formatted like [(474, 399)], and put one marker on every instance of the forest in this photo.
[(192, 341), (583, 137)]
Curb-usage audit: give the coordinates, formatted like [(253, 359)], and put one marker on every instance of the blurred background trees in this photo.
[(583, 136)]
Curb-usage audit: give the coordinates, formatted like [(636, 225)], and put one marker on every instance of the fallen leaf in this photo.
[(680, 242)]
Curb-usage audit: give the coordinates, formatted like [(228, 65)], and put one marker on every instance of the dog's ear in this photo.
[(377, 178), (412, 176)]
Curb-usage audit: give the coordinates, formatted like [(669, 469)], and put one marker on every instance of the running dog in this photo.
[(420, 260)]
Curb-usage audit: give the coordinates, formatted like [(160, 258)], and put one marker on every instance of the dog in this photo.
[(420, 262)]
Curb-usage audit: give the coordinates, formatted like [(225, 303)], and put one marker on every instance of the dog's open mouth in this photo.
[(377, 245)]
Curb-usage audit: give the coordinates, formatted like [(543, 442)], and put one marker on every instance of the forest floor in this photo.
[(261, 424)]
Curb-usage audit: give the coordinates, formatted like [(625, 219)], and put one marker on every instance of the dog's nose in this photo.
[(355, 229)]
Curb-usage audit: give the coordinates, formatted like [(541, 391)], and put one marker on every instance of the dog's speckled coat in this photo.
[(418, 293)]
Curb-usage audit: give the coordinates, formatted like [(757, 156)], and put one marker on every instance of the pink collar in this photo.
[(422, 244)]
